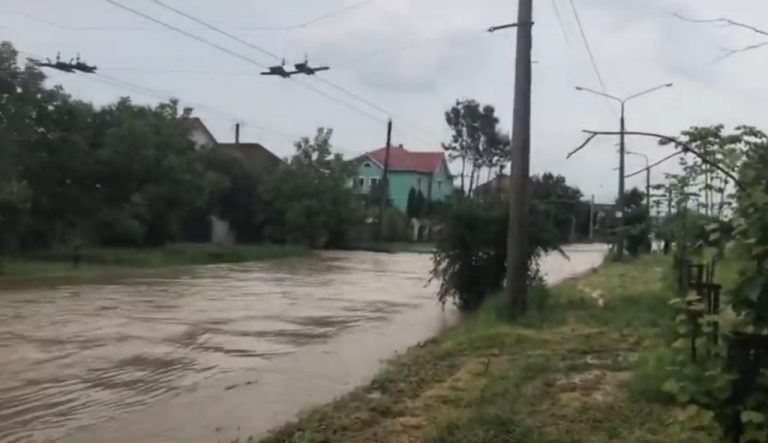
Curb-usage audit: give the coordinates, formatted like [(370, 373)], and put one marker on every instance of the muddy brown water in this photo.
[(212, 353)]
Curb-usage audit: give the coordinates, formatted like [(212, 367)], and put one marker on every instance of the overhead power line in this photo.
[(561, 22), (164, 95), (587, 45), (238, 55), (301, 25), (275, 56), (214, 28), (188, 34), (317, 19)]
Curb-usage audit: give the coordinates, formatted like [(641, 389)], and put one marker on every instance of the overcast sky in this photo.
[(414, 58)]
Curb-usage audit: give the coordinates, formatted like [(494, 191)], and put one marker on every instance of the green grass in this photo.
[(574, 372), (98, 261)]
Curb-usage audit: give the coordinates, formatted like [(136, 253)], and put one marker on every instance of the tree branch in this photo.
[(685, 148), (721, 20), (582, 146), (729, 52), (729, 22)]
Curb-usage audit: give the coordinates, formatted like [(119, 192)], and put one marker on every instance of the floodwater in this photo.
[(213, 353)]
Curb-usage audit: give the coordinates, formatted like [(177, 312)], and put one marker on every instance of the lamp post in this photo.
[(622, 150)]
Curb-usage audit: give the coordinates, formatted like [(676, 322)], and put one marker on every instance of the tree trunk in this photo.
[(471, 179)]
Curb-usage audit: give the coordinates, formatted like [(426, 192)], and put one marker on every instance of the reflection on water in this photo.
[(74, 356)]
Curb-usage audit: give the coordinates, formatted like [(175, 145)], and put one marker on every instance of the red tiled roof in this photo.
[(401, 159)]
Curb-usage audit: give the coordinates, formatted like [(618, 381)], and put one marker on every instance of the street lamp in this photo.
[(623, 102)]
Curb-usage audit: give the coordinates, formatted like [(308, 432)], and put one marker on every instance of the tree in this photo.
[(717, 147), (561, 204), (308, 198), (475, 140), (636, 222), (122, 174), (411, 208)]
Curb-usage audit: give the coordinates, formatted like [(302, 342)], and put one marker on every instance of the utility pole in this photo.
[(519, 198), (384, 183), (237, 133), (620, 212), (592, 218), (622, 151)]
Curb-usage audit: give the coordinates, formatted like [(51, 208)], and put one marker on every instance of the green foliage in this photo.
[(309, 199), (636, 222), (120, 175), (475, 141), (471, 253), (561, 205), (471, 250), (396, 226), (729, 391)]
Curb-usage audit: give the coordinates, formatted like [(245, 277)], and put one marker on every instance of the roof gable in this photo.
[(255, 156), (195, 123), (400, 159)]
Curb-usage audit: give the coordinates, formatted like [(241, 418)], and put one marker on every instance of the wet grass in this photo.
[(588, 367), (100, 261)]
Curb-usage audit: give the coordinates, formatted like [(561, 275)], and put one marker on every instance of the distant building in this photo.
[(497, 187), (254, 156), (200, 135), (425, 172)]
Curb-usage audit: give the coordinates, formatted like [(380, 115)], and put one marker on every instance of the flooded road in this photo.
[(216, 352)]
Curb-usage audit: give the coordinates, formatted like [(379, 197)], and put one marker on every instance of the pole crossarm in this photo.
[(685, 149), (507, 26)]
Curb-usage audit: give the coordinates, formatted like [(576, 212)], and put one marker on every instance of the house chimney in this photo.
[(237, 133)]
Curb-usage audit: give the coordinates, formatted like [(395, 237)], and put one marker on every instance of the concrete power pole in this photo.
[(592, 218), (622, 158), (519, 198), (384, 184)]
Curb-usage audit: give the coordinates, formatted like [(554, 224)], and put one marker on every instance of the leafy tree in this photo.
[(470, 256), (561, 204), (636, 222), (122, 174), (719, 147), (309, 198), (411, 208), (476, 140)]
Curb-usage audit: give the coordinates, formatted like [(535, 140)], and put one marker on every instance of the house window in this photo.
[(360, 182), (439, 185), (367, 164), (374, 181)]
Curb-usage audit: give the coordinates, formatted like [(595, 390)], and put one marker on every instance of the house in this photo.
[(422, 171), (254, 156), (495, 188), (199, 134)]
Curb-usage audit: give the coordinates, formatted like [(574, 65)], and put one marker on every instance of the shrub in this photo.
[(471, 250)]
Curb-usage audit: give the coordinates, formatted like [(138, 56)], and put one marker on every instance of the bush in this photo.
[(471, 250), (396, 226)]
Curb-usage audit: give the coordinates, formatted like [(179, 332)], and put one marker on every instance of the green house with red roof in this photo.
[(424, 171)]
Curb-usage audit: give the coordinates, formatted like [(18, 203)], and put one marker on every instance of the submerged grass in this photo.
[(587, 368), (114, 260)]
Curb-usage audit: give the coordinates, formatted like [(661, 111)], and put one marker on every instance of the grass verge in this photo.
[(99, 261), (587, 368)]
